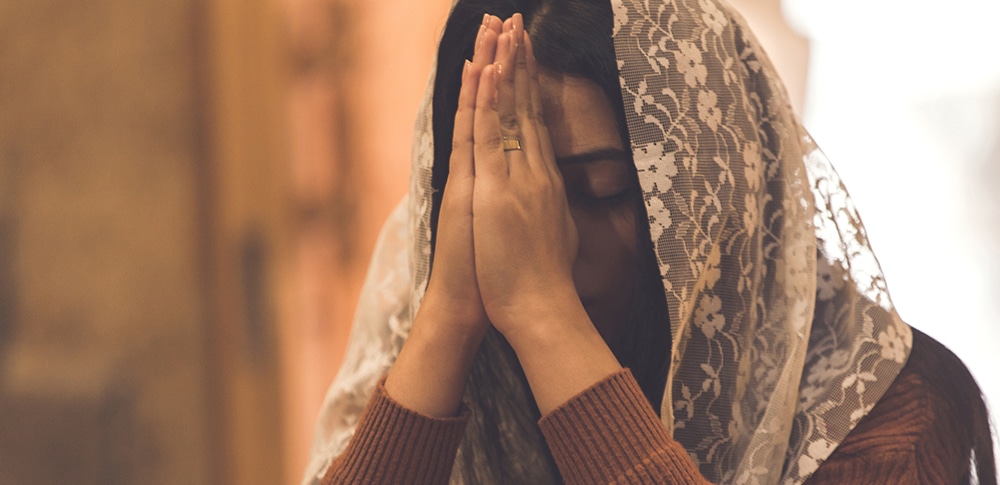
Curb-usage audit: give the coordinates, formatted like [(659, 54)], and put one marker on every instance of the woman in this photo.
[(635, 242)]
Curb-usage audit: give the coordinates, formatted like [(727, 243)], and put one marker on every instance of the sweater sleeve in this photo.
[(610, 434), (393, 444)]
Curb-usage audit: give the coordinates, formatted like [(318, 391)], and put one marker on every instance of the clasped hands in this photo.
[(506, 241), (506, 246)]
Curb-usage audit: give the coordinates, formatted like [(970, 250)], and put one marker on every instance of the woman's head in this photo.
[(615, 271)]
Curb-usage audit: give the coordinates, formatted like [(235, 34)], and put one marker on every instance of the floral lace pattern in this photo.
[(783, 331), (381, 324), (784, 336)]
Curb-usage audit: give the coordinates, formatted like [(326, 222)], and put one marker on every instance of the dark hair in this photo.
[(965, 423), (570, 37)]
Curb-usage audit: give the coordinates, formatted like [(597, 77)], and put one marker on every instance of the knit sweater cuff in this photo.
[(610, 434), (393, 444)]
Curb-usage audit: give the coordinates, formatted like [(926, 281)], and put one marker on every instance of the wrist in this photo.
[(562, 354), (449, 320), (430, 373), (541, 315), (553, 327), (442, 343)]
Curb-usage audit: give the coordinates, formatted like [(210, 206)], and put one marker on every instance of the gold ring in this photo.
[(511, 143)]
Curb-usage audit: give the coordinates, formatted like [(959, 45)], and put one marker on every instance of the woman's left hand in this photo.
[(525, 238)]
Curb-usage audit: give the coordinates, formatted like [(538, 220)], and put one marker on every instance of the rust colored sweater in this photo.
[(610, 434)]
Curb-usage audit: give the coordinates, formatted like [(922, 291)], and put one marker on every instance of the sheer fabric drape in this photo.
[(783, 331)]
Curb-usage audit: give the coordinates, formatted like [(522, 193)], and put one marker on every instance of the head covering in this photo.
[(784, 335)]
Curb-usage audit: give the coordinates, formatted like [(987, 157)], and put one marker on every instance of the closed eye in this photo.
[(599, 183), (603, 201)]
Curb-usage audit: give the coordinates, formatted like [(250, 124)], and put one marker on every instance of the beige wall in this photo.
[(103, 350), (359, 75), (189, 193)]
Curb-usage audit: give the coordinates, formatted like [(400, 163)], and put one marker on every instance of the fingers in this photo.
[(490, 162), (486, 49), (461, 164), (537, 115), (532, 67), (523, 104), (495, 24), (509, 106), (527, 100), (507, 95)]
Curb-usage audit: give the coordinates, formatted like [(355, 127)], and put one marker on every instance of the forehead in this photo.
[(578, 115)]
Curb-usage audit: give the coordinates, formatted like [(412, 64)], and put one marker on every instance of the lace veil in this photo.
[(784, 335)]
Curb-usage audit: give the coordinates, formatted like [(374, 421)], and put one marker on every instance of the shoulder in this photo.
[(926, 422)]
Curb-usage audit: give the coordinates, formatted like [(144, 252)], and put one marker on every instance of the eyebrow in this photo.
[(593, 156)]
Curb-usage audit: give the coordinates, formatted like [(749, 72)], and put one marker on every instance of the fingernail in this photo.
[(520, 29), (465, 70), (486, 19), (498, 71)]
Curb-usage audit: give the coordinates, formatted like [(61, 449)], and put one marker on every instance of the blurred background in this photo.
[(190, 191)]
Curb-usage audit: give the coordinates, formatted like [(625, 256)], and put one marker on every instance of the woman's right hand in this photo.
[(430, 373)]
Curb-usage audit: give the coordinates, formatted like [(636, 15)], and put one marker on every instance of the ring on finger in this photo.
[(511, 143)]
